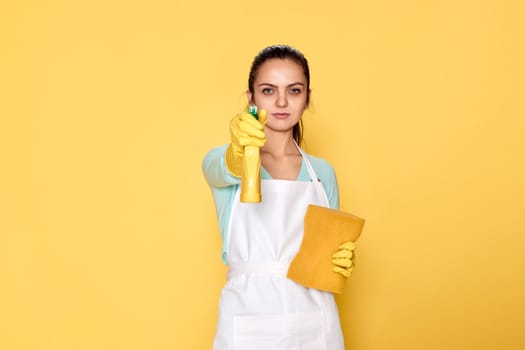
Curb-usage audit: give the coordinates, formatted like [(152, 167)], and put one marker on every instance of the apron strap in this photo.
[(315, 180), (309, 167), (274, 268)]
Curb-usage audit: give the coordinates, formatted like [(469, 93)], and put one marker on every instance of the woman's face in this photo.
[(280, 88)]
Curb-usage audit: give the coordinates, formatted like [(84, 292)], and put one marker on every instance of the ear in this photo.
[(249, 96)]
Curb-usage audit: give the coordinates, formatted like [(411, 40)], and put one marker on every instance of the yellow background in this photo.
[(108, 235)]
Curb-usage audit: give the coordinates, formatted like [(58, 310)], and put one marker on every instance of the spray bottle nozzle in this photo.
[(252, 109)]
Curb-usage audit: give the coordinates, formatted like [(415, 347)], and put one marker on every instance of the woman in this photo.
[(259, 307)]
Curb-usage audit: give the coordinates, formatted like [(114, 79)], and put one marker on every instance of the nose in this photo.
[(282, 101)]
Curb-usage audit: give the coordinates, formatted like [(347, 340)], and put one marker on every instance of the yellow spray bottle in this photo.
[(251, 167)]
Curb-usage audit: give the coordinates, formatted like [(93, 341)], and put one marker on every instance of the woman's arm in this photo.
[(223, 185), (215, 170)]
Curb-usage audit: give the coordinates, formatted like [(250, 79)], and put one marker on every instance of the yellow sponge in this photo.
[(324, 230)]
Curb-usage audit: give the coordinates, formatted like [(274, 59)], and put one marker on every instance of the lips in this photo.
[(281, 115)]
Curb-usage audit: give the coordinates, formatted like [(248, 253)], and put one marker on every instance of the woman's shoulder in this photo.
[(321, 166)]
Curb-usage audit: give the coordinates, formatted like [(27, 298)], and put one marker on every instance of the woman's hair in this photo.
[(282, 52)]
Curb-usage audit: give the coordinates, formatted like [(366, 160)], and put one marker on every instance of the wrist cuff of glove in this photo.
[(233, 164)]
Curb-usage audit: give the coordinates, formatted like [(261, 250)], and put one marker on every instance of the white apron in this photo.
[(259, 307)]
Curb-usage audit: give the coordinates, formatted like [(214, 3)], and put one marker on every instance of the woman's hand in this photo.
[(343, 258), (245, 130)]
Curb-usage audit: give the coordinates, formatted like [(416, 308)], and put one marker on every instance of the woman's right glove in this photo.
[(343, 258), (245, 130)]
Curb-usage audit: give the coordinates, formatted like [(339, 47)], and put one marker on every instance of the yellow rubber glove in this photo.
[(343, 258), (245, 130)]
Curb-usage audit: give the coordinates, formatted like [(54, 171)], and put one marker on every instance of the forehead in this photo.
[(283, 71)]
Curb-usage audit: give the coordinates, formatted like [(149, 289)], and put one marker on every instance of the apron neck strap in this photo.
[(306, 161)]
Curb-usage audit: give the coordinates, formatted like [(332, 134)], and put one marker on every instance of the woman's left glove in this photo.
[(343, 258)]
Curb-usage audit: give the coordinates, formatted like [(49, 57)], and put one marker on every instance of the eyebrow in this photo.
[(274, 86)]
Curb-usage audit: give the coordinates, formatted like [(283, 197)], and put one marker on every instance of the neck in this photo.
[(279, 144)]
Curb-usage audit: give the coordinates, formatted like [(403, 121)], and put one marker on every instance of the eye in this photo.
[(267, 91), (295, 91)]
